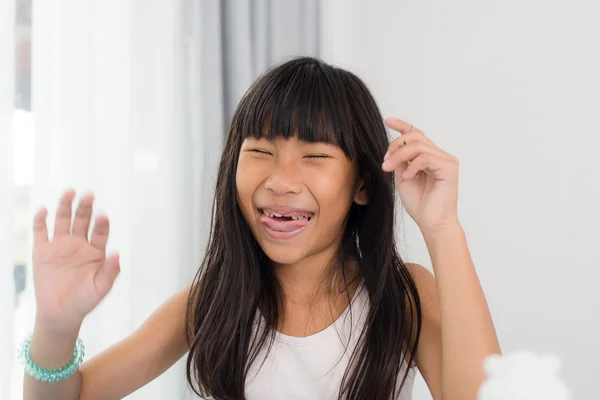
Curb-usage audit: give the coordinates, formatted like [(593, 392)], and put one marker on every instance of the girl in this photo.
[(301, 294)]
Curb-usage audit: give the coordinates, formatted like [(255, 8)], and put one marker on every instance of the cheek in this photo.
[(334, 189), (247, 180), (244, 185)]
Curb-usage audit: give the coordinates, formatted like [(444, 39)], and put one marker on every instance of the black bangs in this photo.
[(304, 98)]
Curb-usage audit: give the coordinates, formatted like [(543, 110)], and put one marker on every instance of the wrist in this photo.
[(54, 329), (52, 346), (447, 245), (442, 231)]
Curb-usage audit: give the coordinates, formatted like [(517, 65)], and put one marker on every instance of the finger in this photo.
[(100, 233), (413, 136), (62, 225), (106, 275), (409, 152), (399, 170), (83, 215), (424, 162), (40, 229), (398, 125)]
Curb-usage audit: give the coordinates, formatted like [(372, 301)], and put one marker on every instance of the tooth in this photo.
[(277, 215)]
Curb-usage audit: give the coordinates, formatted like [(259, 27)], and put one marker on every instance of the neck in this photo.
[(311, 278)]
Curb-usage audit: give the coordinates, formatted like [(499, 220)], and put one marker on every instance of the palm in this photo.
[(70, 272), (427, 200), (64, 276)]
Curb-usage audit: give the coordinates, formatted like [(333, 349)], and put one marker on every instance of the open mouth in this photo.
[(284, 224)]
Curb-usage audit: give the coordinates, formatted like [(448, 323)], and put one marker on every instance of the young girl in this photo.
[(301, 294)]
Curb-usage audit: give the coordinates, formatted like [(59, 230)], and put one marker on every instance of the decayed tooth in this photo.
[(299, 216), (294, 216), (270, 213)]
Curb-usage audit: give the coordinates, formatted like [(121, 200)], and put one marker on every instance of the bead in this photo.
[(50, 375)]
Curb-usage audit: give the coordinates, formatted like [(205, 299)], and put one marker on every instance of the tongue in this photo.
[(282, 225)]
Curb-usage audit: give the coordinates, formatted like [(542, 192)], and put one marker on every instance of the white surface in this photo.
[(7, 75), (523, 375), (512, 89)]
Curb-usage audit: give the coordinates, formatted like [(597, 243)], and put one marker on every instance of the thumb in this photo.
[(107, 275)]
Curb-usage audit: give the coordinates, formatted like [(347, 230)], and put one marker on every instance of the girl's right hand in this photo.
[(71, 274)]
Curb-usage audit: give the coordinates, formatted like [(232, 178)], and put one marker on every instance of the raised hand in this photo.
[(426, 176), (71, 273)]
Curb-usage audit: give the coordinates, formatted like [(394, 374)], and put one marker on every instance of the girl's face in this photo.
[(295, 196)]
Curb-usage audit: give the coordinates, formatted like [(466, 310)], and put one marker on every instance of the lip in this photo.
[(283, 210)]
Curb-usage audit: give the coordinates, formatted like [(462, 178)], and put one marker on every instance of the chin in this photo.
[(282, 254)]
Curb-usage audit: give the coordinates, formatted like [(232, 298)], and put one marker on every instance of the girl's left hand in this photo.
[(426, 177)]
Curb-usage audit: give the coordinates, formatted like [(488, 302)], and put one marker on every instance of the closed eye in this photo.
[(317, 156), (259, 151)]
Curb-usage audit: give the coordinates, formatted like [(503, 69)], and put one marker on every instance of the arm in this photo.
[(457, 332), (119, 370)]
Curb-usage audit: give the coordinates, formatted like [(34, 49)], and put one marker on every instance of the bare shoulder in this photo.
[(426, 286), (429, 353), (140, 357), (419, 272)]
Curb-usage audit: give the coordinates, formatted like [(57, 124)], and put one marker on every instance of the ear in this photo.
[(361, 197)]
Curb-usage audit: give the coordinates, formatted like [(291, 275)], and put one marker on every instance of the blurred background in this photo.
[(131, 99)]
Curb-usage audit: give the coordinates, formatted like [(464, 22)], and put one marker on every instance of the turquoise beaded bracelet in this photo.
[(50, 375)]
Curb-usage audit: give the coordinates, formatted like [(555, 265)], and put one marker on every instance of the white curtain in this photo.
[(7, 291), (131, 100), (255, 34), (112, 114)]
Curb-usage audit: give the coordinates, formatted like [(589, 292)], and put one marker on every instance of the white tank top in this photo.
[(312, 367)]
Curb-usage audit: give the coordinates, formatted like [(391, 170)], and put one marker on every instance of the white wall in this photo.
[(512, 89)]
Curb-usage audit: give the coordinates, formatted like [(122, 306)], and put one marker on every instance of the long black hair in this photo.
[(314, 101)]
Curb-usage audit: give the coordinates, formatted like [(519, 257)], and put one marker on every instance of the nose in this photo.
[(284, 179)]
